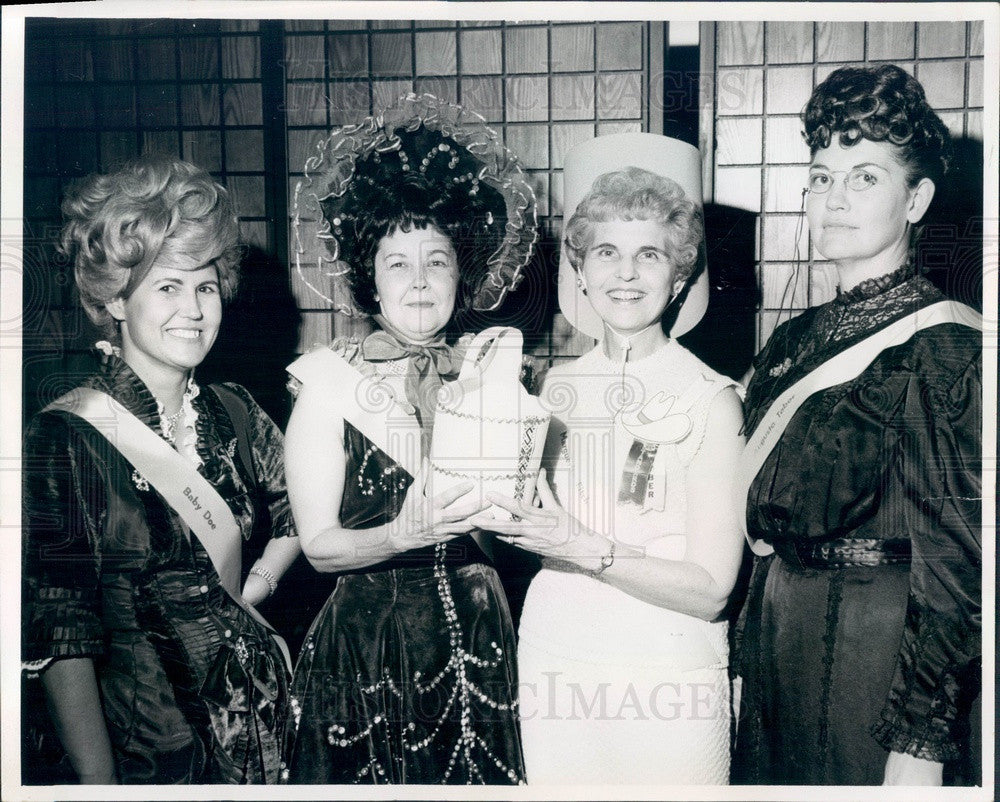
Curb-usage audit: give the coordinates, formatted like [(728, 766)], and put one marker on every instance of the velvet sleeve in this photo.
[(63, 503), (937, 483), (268, 448)]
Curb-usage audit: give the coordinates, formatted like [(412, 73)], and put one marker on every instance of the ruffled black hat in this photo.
[(420, 147)]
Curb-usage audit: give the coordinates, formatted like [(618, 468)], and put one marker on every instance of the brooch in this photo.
[(655, 421), (780, 369), (139, 481)]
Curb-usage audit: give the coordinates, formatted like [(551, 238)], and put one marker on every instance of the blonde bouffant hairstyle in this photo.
[(117, 225), (637, 194)]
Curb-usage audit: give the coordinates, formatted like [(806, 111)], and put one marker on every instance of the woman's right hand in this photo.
[(424, 521)]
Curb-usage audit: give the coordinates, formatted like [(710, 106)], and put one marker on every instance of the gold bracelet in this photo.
[(607, 560)]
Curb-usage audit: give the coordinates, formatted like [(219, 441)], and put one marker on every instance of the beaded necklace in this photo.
[(168, 425)]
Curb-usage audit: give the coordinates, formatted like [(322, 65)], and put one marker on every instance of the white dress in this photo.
[(613, 689)]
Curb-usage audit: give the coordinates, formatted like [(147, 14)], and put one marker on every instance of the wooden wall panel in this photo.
[(242, 105), (527, 49), (117, 104), (739, 43), (789, 42), (942, 40), (572, 97), (113, 61), (619, 46), (240, 57), (485, 95), (572, 48), (888, 41), (840, 41), (199, 58), (480, 51), (528, 98), (436, 53), (204, 148), (739, 141), (200, 104), (620, 95), (348, 55), (157, 60), (392, 54), (305, 57)]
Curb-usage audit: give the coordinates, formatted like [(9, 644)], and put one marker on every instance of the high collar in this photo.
[(873, 287), (117, 379)]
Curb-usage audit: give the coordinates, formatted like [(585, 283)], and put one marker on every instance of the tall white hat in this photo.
[(664, 155)]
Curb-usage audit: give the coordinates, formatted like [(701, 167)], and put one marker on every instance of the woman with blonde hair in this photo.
[(139, 487), (622, 649)]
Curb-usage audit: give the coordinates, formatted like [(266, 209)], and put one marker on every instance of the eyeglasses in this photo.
[(857, 180)]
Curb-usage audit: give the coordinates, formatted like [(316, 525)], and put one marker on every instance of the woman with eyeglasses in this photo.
[(860, 647)]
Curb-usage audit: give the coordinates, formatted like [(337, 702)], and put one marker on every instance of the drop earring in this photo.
[(581, 285)]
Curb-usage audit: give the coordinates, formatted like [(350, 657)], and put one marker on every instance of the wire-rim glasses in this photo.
[(856, 179)]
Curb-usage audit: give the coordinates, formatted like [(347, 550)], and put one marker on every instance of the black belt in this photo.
[(845, 552)]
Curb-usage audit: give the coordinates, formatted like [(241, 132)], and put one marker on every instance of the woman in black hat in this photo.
[(407, 674)]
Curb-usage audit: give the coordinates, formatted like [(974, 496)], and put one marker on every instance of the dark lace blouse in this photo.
[(108, 565), (894, 454)]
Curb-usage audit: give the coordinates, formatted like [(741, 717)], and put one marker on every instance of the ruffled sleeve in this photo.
[(308, 365), (936, 490), (267, 445), (63, 500)]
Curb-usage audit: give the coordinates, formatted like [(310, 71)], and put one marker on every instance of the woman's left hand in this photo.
[(547, 530), (903, 769)]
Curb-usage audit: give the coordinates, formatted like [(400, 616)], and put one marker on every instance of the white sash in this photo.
[(189, 493), (357, 398), (371, 409), (843, 367)]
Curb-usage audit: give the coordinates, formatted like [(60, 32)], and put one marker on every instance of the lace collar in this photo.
[(873, 287)]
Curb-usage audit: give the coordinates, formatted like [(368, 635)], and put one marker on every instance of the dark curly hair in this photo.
[(882, 104), (390, 192)]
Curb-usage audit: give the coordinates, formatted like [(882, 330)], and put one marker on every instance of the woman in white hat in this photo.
[(622, 653)]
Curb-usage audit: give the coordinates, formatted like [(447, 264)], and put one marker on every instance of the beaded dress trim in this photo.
[(470, 745)]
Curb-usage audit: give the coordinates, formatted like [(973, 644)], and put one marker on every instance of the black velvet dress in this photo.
[(193, 688), (407, 674), (862, 633)]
